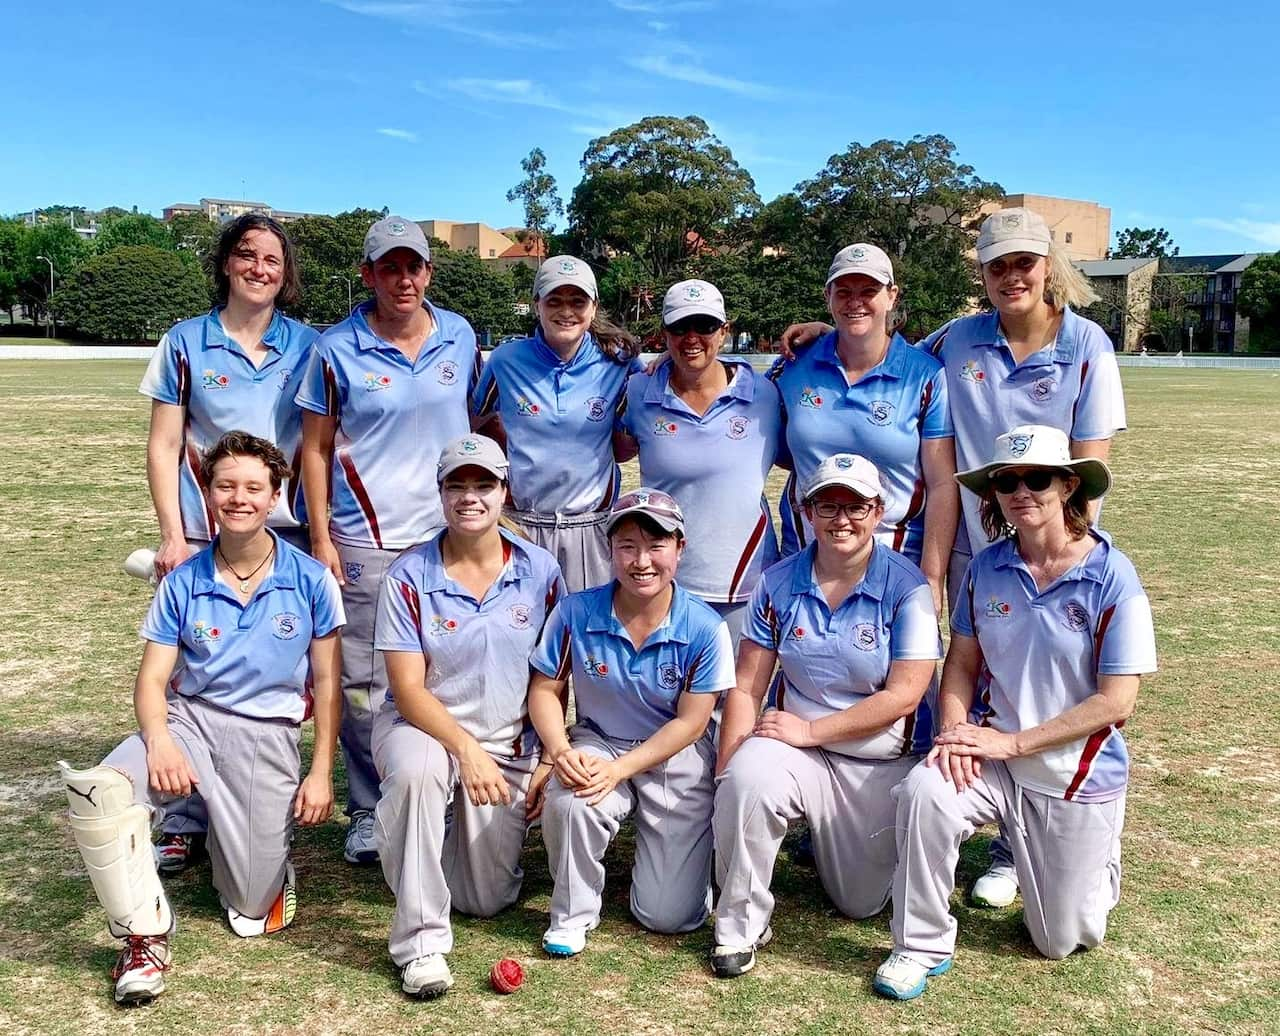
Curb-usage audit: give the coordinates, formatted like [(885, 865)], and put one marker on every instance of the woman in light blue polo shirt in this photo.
[(708, 431), (1049, 640), (852, 625), (459, 617), (648, 661)]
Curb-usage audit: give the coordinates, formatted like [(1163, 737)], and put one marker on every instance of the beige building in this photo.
[(479, 238), (1081, 228), (224, 210), (1123, 308)]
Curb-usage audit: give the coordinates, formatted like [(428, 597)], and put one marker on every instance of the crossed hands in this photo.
[(960, 749), (591, 777)]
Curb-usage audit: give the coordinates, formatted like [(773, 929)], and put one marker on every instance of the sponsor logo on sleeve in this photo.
[(881, 412), (285, 625), (738, 427), (211, 379), (669, 675), (1075, 617), (203, 633), (998, 609), (446, 372), (597, 408), (376, 382), (519, 616), (864, 636), (811, 398)]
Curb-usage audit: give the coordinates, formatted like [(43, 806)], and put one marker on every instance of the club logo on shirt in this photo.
[(442, 627), (972, 372), (353, 571), (669, 675), (1043, 389), (285, 377), (285, 625), (1075, 617), (662, 426), (203, 633), (998, 609), (738, 427), (1019, 444), (597, 408), (519, 616), (376, 382), (527, 407), (881, 412), (864, 636), (211, 379), (446, 372), (797, 633), (595, 667), (811, 398)]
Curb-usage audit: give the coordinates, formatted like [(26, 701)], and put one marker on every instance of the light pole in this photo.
[(53, 329), (337, 277)]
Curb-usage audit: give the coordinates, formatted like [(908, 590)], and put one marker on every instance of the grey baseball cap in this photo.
[(1013, 230), (472, 451), (560, 270), (861, 258), (691, 299), (394, 232), (850, 471), (653, 504)]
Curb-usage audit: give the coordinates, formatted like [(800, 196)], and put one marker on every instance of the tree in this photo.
[(59, 243), (479, 291), (537, 192), (12, 233), (1259, 300), (1140, 243), (131, 293), (660, 190), (328, 251), (137, 228), (194, 232)]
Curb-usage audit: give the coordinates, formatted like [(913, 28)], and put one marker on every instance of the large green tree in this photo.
[(137, 228), (1259, 300), (328, 250), (537, 193), (194, 232), (131, 293), (1143, 243), (60, 244), (660, 190), (479, 291), (12, 233)]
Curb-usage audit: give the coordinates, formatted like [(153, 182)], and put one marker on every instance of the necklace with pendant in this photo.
[(244, 580)]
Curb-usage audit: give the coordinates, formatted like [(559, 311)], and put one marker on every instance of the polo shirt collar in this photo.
[(894, 364), (587, 352), (435, 579), (216, 336), (1063, 348), (742, 382), (1093, 568), (873, 584), (284, 573), (367, 339), (674, 628)]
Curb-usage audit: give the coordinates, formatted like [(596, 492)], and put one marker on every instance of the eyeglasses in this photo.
[(699, 324), (1037, 480), (829, 509)]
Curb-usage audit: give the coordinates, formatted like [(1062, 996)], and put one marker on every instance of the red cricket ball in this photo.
[(506, 976)]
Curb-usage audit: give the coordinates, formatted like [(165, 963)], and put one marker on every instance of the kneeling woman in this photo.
[(851, 622), (648, 661), (1051, 633), (247, 630), (457, 621)]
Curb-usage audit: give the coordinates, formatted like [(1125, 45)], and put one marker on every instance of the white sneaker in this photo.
[(360, 846), (279, 916), (997, 888), (567, 942), (139, 970), (901, 978), (426, 978)]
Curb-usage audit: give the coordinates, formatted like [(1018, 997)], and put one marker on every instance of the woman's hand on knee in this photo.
[(314, 801), (575, 768), (483, 780), (168, 769)]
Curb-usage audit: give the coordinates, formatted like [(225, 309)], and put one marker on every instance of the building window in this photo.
[(492, 252), (1068, 237), (1053, 235)]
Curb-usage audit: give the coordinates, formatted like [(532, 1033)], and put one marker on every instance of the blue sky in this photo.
[(1167, 113)]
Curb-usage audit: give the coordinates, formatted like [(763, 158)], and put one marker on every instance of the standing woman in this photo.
[(553, 399), (385, 391), (460, 617), (1049, 640), (862, 389), (234, 368), (708, 430)]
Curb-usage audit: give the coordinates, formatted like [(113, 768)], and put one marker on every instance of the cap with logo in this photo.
[(691, 299), (1038, 446), (1013, 230), (472, 451), (654, 504), (848, 470), (394, 232), (864, 259), (561, 270)]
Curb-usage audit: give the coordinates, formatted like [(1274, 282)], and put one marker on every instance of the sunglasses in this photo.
[(829, 509), (700, 324), (1036, 480)]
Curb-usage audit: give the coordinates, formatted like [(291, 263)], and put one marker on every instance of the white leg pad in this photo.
[(113, 834)]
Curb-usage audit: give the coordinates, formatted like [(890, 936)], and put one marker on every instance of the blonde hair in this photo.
[(1066, 285)]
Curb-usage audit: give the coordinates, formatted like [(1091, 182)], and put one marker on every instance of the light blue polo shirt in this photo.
[(251, 659), (394, 418), (1044, 651), (477, 651), (559, 422), (715, 466), (624, 693), (883, 416), (198, 367), (833, 660), (1073, 383)]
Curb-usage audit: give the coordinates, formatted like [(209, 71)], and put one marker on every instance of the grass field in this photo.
[(1194, 945)]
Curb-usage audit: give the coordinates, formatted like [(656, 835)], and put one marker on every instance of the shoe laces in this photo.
[(139, 951)]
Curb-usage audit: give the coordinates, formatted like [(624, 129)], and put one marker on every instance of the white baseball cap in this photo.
[(472, 451), (862, 258), (1013, 230), (394, 232), (560, 270), (690, 299), (1038, 446), (850, 471)]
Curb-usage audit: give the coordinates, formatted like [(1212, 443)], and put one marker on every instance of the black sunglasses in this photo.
[(1037, 480), (699, 324)]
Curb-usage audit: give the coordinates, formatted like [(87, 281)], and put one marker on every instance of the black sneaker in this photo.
[(732, 961)]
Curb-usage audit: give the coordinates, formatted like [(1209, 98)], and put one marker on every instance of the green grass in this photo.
[(1194, 945), (37, 341)]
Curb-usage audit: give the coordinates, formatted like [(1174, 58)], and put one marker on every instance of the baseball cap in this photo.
[(848, 470), (1038, 446), (691, 299), (472, 451), (560, 270), (1013, 230), (394, 232), (653, 504), (862, 258)]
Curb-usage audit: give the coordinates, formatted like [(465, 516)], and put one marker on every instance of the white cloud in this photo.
[(659, 65), (463, 17), (659, 7), (534, 95), (1263, 232), (400, 134)]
